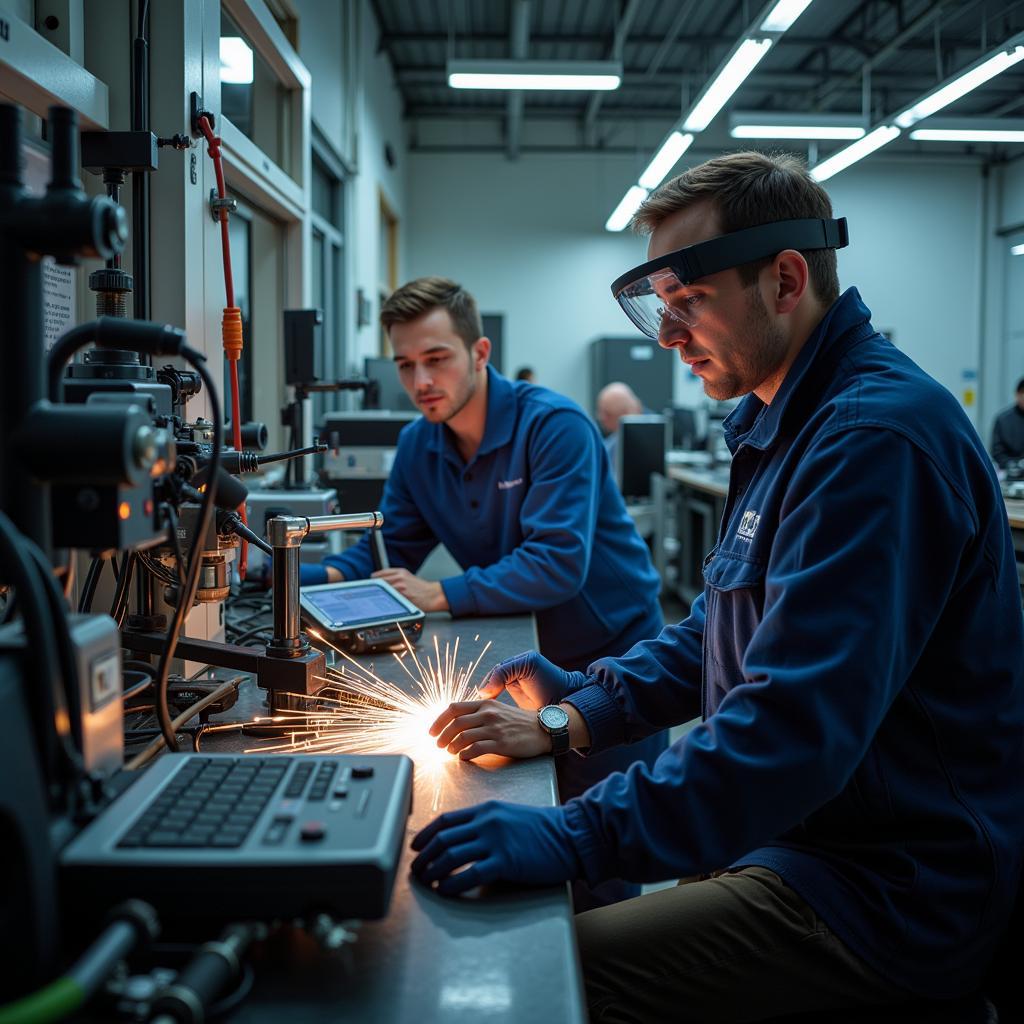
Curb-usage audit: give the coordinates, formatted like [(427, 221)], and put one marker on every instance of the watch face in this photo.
[(553, 717)]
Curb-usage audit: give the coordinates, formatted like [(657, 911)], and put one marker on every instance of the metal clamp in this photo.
[(229, 203)]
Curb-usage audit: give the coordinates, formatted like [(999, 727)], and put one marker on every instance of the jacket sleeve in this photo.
[(654, 685), (865, 555), (558, 518), (407, 537)]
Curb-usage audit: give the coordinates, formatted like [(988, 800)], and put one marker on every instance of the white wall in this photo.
[(527, 239), (359, 110)]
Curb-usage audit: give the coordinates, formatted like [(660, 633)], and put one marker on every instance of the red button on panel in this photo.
[(311, 831)]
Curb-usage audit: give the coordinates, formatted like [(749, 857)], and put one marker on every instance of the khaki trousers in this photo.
[(736, 946)]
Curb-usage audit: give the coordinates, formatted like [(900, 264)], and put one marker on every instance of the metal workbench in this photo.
[(503, 956)]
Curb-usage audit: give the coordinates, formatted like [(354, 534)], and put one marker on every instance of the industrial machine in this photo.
[(100, 457)]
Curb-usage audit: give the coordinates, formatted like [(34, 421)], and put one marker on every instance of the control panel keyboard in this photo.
[(208, 834)]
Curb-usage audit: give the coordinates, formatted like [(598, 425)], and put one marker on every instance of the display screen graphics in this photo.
[(348, 605)]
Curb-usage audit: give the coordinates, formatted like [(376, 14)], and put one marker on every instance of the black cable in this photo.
[(58, 610), (19, 571), (122, 591), (140, 686), (179, 557), (135, 665), (160, 571), (92, 577), (186, 593)]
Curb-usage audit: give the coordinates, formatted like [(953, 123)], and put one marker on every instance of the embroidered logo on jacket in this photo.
[(748, 525), (507, 485)]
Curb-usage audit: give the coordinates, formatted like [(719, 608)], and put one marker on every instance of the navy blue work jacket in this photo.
[(535, 517), (858, 661)]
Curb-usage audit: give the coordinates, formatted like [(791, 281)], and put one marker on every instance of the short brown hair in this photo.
[(748, 189), (418, 297)]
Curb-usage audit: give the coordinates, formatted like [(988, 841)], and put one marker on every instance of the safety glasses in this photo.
[(656, 295)]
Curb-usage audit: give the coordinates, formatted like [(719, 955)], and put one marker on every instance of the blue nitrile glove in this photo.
[(531, 680), (500, 841)]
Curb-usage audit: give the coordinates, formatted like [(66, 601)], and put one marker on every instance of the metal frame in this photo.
[(36, 74)]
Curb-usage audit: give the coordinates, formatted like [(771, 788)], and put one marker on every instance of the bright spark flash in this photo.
[(359, 712)]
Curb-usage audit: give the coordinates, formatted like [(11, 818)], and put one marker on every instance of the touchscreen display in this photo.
[(356, 604)]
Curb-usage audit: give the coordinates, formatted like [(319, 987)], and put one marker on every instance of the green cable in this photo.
[(48, 1004)]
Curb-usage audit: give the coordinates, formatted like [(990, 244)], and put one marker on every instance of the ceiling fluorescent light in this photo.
[(1017, 250), (783, 14), (747, 56), (665, 159), (960, 86), (966, 135), (796, 131), (235, 61), (591, 76), (622, 213), (854, 152)]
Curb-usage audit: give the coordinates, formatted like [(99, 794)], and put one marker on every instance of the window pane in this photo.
[(251, 96)]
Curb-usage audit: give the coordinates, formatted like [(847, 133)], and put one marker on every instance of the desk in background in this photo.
[(508, 956), (699, 495)]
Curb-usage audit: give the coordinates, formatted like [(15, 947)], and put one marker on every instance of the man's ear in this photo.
[(481, 353), (790, 279)]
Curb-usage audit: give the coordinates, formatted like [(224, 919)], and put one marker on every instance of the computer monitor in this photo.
[(643, 441), (390, 393), (685, 433)]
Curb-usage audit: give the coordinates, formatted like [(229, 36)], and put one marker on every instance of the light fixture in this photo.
[(783, 14), (665, 159), (235, 61), (781, 125), (795, 131), (622, 213), (1017, 250), (591, 76), (855, 151), (978, 74), (967, 135), (746, 57)]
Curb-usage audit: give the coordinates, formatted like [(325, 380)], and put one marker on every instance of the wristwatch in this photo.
[(555, 722)]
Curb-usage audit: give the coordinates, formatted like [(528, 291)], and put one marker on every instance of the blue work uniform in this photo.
[(538, 523), (857, 657)]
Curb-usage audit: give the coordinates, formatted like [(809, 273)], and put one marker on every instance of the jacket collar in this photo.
[(500, 425), (755, 424)]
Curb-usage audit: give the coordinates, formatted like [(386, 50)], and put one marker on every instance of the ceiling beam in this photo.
[(519, 43), (627, 16)]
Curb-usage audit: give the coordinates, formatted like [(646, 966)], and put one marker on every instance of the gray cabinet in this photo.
[(639, 362)]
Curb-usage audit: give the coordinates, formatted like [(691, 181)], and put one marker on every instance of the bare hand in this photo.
[(424, 594), (474, 727)]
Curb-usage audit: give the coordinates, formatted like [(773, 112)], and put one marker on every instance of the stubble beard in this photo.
[(760, 353)]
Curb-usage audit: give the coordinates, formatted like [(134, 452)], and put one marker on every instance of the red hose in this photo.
[(231, 325)]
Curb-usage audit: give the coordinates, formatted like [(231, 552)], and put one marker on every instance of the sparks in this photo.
[(359, 712)]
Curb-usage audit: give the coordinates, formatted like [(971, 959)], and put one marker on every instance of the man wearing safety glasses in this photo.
[(848, 815)]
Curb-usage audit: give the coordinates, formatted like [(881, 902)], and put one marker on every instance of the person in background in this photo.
[(526, 373), (614, 401), (511, 478), (847, 818), (1008, 432)]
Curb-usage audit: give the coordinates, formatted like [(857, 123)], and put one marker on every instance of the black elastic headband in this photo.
[(738, 247)]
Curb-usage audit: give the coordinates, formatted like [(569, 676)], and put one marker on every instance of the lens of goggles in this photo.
[(659, 304)]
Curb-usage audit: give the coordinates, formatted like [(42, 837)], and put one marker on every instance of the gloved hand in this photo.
[(500, 841), (531, 680)]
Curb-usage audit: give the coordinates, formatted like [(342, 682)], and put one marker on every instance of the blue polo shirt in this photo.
[(535, 518), (858, 660)]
